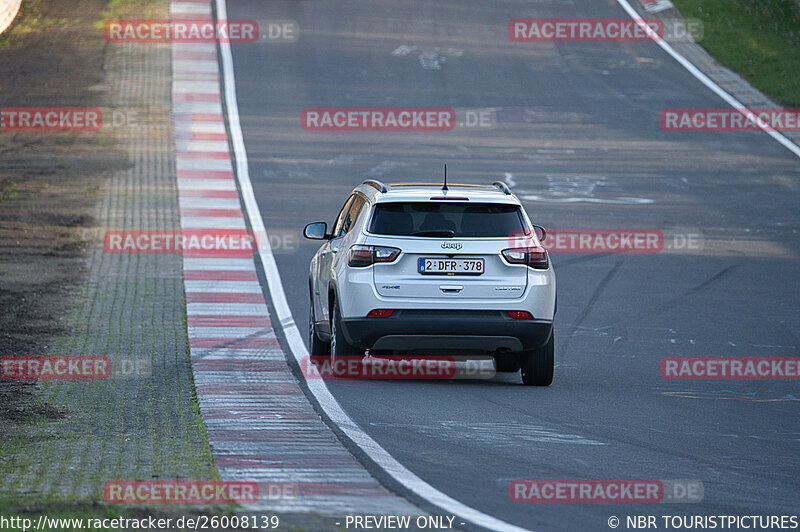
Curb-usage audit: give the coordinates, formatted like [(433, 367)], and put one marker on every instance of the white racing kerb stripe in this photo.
[(708, 82), (327, 402), (260, 425)]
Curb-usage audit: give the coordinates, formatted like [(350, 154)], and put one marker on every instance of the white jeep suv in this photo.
[(420, 269)]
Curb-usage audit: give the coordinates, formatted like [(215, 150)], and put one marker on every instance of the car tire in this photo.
[(340, 347), (506, 363), (537, 364), (317, 348)]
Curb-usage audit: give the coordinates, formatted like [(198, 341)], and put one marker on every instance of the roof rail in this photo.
[(438, 185), (374, 183), (502, 186)]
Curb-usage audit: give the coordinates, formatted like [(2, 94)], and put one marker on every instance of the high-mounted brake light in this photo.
[(534, 257), (451, 198), (361, 256)]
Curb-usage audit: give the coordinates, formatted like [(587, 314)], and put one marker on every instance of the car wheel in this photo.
[(537, 364), (506, 362), (340, 347), (316, 346)]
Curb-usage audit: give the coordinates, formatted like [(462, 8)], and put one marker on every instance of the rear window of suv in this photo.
[(443, 220)]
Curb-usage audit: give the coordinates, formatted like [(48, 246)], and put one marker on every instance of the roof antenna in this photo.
[(444, 187)]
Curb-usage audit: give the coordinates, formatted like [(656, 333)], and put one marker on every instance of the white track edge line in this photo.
[(711, 84), (275, 286)]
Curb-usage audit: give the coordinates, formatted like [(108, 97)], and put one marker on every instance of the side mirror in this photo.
[(316, 231), (540, 231)]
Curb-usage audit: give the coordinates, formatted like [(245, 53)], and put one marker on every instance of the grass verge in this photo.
[(130, 9), (758, 39)]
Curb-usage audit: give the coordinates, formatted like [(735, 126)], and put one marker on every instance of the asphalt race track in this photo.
[(575, 132)]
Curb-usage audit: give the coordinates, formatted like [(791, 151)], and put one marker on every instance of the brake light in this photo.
[(361, 256), (520, 314), (535, 257), (451, 198), (380, 313)]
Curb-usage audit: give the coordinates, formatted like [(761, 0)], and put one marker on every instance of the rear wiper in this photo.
[(441, 233)]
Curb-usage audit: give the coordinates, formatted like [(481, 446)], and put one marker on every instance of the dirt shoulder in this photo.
[(49, 183), (61, 293)]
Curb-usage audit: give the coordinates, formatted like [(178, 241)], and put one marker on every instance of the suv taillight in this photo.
[(361, 256), (534, 257)]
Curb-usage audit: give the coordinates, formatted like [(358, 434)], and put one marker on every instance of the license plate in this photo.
[(450, 266)]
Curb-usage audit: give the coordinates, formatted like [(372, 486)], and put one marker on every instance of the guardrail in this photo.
[(8, 10)]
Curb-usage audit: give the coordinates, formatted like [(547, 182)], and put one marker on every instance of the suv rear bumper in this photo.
[(447, 330)]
